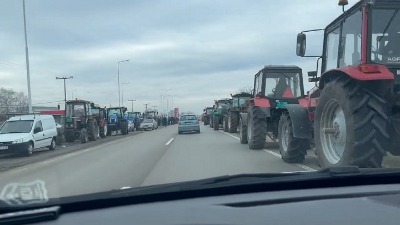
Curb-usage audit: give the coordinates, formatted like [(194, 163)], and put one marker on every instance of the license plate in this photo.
[(3, 147)]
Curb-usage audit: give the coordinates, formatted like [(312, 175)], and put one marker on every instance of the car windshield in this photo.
[(18, 126), (167, 91)]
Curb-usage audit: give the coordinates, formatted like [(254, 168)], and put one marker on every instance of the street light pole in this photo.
[(119, 88), (28, 76), (122, 98), (65, 89), (132, 103)]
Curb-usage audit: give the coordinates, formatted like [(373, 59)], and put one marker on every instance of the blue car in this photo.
[(188, 123)]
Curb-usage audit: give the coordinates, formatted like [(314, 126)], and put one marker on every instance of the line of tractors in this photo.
[(352, 115), (87, 121)]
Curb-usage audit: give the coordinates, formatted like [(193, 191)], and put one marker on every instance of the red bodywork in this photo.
[(53, 112)]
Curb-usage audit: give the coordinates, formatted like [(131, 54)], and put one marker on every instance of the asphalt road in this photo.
[(147, 158)]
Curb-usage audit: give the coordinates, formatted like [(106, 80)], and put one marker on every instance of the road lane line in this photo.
[(229, 134), (169, 142), (306, 168), (273, 153)]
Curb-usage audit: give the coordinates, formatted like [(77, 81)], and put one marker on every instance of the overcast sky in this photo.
[(202, 50)]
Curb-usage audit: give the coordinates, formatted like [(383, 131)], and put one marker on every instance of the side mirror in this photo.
[(312, 73), (301, 44), (37, 130)]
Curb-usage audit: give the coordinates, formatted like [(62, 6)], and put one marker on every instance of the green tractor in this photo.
[(231, 117), (207, 115), (80, 122), (220, 108)]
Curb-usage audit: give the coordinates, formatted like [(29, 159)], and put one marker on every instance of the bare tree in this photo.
[(12, 101), (247, 89)]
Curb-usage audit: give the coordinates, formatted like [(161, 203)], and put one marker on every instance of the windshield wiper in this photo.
[(288, 77)]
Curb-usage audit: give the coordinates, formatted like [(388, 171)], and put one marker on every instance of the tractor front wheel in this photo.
[(216, 122), (103, 131), (225, 123), (242, 132), (83, 135), (124, 127), (233, 122), (93, 130), (351, 124), (292, 149), (256, 128)]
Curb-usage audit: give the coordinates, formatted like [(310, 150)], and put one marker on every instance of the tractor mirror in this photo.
[(301, 45), (312, 74)]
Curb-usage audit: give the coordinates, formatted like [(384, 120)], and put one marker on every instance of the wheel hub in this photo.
[(333, 132)]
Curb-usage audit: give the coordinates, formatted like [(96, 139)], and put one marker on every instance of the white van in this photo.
[(24, 134)]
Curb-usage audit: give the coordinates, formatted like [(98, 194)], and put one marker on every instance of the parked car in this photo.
[(149, 124), (188, 123), (26, 133)]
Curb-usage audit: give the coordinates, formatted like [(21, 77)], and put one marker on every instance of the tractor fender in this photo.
[(380, 73), (243, 116), (300, 121)]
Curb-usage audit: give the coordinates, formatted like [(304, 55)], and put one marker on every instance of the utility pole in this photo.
[(132, 103), (119, 88), (28, 76), (65, 89)]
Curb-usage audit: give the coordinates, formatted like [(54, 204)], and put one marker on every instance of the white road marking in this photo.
[(229, 134), (169, 142), (123, 188), (307, 168), (273, 153)]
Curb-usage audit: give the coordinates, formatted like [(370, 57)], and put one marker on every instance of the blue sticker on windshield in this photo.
[(17, 194)]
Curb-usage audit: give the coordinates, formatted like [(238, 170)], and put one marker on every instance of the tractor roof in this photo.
[(242, 94), (78, 101), (279, 67)]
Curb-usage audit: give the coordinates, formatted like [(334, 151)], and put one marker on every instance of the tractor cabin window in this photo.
[(282, 85), (332, 49), (385, 37), (351, 40)]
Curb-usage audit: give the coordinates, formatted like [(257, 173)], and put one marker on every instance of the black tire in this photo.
[(292, 149), (242, 132), (29, 149), (225, 123), (83, 136), (211, 121), (206, 121), (103, 131), (233, 122), (59, 138), (215, 122), (69, 135), (109, 132), (93, 130), (52, 145), (124, 127), (365, 112), (256, 128)]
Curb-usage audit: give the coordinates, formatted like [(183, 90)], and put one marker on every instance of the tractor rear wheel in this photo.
[(103, 131), (83, 135), (256, 128), (233, 122), (225, 123), (242, 132), (215, 122), (292, 149), (93, 130), (124, 127), (69, 135), (351, 124)]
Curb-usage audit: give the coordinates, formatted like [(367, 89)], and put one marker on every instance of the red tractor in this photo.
[(353, 113), (278, 95)]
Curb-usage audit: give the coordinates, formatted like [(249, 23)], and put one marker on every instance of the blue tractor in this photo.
[(117, 120), (136, 118)]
